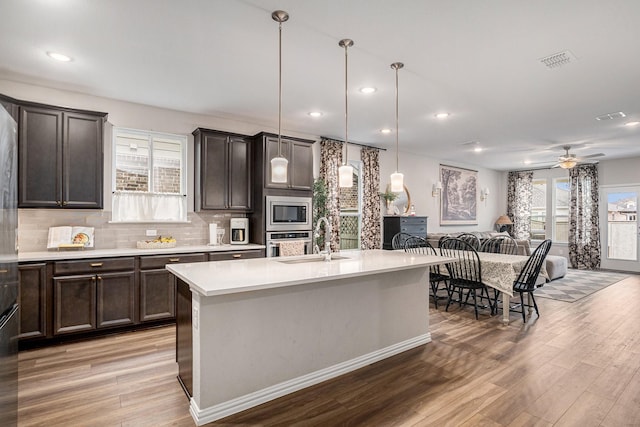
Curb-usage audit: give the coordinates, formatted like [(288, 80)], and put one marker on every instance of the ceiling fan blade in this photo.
[(591, 156)]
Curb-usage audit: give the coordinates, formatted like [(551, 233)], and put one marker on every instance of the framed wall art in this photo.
[(458, 200)]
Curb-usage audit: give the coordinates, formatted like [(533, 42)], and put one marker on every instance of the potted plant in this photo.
[(389, 197)]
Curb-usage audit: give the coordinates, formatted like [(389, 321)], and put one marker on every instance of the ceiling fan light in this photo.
[(568, 164), (345, 176)]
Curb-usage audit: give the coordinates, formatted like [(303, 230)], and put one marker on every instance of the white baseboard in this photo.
[(221, 410)]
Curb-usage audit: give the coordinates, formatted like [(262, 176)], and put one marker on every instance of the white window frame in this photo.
[(180, 198), (357, 165), (551, 177)]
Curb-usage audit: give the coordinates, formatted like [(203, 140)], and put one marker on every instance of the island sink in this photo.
[(311, 259)]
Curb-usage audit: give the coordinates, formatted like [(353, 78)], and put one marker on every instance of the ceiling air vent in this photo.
[(611, 116), (558, 59)]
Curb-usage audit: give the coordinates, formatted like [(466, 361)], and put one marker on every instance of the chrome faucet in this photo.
[(326, 253)]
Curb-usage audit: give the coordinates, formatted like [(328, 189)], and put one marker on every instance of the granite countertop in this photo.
[(100, 253), (228, 277)]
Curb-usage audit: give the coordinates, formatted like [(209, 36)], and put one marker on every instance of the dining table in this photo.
[(499, 272)]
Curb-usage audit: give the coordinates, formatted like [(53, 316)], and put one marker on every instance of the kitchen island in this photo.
[(257, 329)]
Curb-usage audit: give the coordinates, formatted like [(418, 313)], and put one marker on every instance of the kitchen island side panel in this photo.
[(250, 341)]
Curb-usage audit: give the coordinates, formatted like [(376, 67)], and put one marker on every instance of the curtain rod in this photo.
[(355, 143)]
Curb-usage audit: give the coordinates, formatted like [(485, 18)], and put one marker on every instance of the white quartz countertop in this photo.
[(228, 277), (100, 253)]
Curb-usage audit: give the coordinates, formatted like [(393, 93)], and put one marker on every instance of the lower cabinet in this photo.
[(33, 301), (97, 299), (158, 286)]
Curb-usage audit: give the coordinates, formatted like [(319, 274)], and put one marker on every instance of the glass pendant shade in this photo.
[(279, 170), (345, 174), (568, 164), (397, 182)]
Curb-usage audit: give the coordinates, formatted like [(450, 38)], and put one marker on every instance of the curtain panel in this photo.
[(584, 225), (519, 201), (330, 161), (370, 234)]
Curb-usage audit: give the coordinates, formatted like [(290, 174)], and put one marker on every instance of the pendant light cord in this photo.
[(346, 108), (279, 87), (397, 130)]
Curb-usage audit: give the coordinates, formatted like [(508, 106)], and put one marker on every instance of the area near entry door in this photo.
[(619, 219)]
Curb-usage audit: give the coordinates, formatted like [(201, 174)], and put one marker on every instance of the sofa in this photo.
[(555, 265)]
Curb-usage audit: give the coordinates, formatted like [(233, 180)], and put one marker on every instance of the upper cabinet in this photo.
[(60, 157), (11, 105), (298, 152), (223, 176)]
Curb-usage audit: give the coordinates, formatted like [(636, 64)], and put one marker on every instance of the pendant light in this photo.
[(279, 163), (397, 179), (345, 172)]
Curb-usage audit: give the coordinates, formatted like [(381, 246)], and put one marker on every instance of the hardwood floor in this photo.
[(577, 365)]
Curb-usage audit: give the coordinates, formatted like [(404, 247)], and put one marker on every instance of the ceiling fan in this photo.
[(568, 161)]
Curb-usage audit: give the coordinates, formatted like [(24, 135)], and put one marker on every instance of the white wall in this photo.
[(420, 171)]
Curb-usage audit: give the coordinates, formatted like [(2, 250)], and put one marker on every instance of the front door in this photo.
[(619, 215)]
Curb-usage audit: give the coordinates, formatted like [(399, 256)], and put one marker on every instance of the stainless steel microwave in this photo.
[(286, 213)]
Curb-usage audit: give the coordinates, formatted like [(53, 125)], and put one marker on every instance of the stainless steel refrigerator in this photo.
[(9, 284)]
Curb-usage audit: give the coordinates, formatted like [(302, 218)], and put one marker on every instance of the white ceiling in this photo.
[(478, 60)]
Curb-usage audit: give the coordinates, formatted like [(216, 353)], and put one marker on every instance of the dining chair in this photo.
[(465, 273), (419, 245), (500, 245), (471, 239), (528, 277), (397, 242)]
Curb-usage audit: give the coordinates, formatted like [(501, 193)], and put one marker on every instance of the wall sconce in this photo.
[(484, 194), (436, 189)]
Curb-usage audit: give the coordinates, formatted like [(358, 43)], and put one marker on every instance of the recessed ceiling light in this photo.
[(59, 56), (385, 130), (442, 115), (477, 149), (632, 124), (527, 162), (315, 114), (368, 89)]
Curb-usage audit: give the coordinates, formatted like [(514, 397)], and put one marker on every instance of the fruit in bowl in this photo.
[(158, 242)]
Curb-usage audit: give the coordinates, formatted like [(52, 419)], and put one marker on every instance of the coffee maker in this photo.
[(239, 231)]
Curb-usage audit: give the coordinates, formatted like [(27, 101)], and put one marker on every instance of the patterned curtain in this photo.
[(584, 233), (519, 200), (330, 161), (370, 235)]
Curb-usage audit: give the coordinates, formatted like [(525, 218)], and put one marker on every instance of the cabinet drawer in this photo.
[(414, 230), (413, 220), (159, 261), (93, 265), (223, 256)]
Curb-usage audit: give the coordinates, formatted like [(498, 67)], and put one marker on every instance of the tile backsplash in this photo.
[(33, 228)]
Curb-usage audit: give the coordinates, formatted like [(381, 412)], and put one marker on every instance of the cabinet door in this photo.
[(301, 166), (213, 172), (116, 299), (33, 301), (271, 151), (240, 176), (184, 337), (82, 161), (40, 158), (74, 304), (157, 295)]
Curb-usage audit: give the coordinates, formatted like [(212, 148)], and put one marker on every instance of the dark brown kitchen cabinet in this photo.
[(158, 286), (11, 105), (33, 301), (101, 296), (223, 176), (299, 153), (60, 157)]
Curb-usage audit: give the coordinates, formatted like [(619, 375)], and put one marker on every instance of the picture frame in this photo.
[(459, 197)]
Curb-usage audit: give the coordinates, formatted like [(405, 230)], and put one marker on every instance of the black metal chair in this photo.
[(465, 273), (528, 277), (419, 245), (500, 245), (397, 242), (471, 239)]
